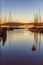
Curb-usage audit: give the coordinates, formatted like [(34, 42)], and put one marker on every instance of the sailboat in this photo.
[(37, 27)]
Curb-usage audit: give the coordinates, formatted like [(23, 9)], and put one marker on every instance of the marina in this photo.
[(21, 32)]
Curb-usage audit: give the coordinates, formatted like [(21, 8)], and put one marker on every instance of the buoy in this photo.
[(33, 48)]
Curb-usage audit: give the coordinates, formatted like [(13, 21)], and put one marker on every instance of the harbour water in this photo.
[(16, 48)]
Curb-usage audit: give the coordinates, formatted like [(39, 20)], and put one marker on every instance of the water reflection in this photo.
[(3, 37), (37, 40), (17, 50)]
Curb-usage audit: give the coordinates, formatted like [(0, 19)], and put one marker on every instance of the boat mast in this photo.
[(39, 17), (34, 20), (5, 18), (0, 14), (36, 17), (10, 17), (0, 21)]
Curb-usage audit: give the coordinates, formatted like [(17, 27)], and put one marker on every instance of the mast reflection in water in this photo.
[(37, 40), (3, 37)]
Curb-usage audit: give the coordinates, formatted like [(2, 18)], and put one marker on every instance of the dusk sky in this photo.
[(22, 9)]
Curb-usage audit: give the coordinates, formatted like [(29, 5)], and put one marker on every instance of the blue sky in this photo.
[(21, 9)]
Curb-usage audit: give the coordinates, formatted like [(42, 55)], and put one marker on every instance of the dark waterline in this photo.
[(16, 48)]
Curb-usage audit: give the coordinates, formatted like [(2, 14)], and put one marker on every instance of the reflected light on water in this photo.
[(17, 47)]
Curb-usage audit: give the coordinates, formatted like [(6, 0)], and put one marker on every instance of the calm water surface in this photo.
[(16, 48)]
